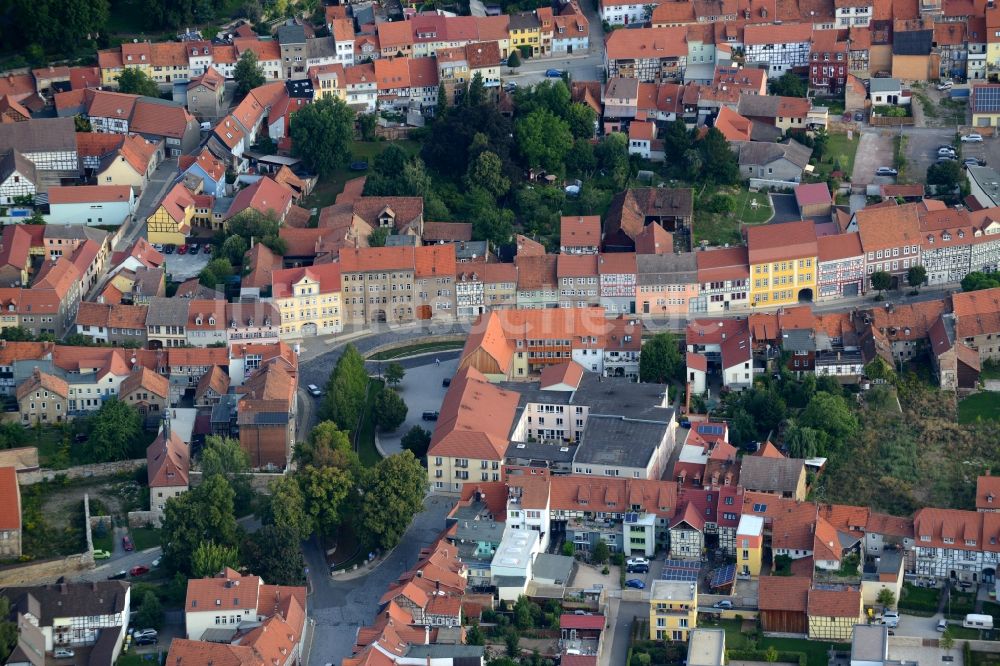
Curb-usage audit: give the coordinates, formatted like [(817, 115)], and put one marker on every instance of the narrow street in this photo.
[(162, 179)]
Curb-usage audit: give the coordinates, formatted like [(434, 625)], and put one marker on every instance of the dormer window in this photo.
[(197, 320), (925, 538), (211, 321), (948, 539)]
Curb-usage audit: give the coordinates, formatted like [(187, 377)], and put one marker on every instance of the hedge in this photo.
[(799, 658)]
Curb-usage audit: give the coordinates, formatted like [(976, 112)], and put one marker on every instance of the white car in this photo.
[(972, 138), (314, 390), (63, 653), (144, 633), (890, 619), (946, 151), (885, 171), (945, 85), (633, 561)]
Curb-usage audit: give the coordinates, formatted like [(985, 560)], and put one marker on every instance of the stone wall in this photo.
[(30, 477), (33, 574), (141, 518), (24, 458), (258, 480)]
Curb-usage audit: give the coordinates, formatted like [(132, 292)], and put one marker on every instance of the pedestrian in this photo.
[(437, 361)]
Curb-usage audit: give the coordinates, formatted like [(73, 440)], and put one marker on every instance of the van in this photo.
[(977, 621)]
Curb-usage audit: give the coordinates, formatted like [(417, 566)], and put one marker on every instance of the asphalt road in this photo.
[(150, 198), (341, 607)]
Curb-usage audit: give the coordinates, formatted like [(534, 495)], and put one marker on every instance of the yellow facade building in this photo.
[(783, 263), (309, 300), (833, 613), (673, 610), (526, 32), (749, 545), (170, 223)]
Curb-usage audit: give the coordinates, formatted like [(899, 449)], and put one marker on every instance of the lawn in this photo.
[(958, 632), (745, 210), (984, 659), (985, 405), (327, 189), (413, 350), (990, 370), (144, 537), (133, 659), (919, 598), (365, 441), (817, 652), (839, 149), (716, 229)]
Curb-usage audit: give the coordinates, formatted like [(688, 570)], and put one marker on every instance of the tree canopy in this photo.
[(394, 493), (788, 84), (134, 81), (972, 282), (660, 360), (56, 25), (389, 410), (346, 390), (204, 513), (321, 134), (248, 74), (114, 431)]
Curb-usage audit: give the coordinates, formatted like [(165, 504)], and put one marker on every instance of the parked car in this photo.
[(118, 576), (946, 150), (430, 416), (446, 382), (890, 619), (945, 85), (553, 73), (138, 570), (886, 171), (972, 161), (207, 249), (637, 568), (947, 158), (193, 248), (636, 560), (314, 391), (725, 603), (138, 633), (146, 640), (158, 247), (101, 555), (169, 248), (972, 138), (127, 543), (635, 583), (63, 653), (156, 563), (579, 611), (183, 249), (942, 624)]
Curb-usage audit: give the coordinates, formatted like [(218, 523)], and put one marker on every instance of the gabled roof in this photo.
[(145, 379), (160, 118), (89, 194), (215, 379), (783, 593), (167, 461), (780, 475), (10, 500), (265, 196), (475, 420), (42, 380), (780, 242), (647, 43)]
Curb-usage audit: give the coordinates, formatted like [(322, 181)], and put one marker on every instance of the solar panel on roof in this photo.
[(631, 517), (682, 564), (680, 575), (711, 429), (724, 575), (987, 99)]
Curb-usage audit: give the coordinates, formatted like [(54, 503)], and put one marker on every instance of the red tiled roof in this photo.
[(779, 242), (839, 246), (89, 194), (10, 500)]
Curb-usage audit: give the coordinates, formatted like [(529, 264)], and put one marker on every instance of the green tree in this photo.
[(286, 508), (234, 247), (346, 390), (719, 163), (830, 415), (204, 513), (880, 369), (568, 549), (474, 635), (378, 237), (581, 120), (660, 360), (274, 554), (580, 160), (771, 654), (513, 60), (493, 224), (225, 456), (114, 431), (802, 442), (321, 133), (215, 273), (486, 172), (393, 494), (389, 410), (209, 558), (543, 139), (601, 553), (327, 446), (947, 177), (150, 611), (326, 491), (886, 598), (248, 74), (36, 219), (61, 26), (8, 629), (82, 124), (947, 640), (612, 157), (367, 123), (676, 141), (881, 281), (972, 282), (416, 441), (16, 334), (134, 81), (442, 101), (916, 276), (476, 94), (394, 373), (788, 85)]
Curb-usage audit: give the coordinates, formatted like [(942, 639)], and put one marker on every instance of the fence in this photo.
[(890, 121), (767, 184)]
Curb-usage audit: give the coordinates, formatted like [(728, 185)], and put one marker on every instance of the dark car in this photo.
[(553, 73), (635, 584), (637, 568), (431, 416), (127, 543), (169, 249), (146, 640), (193, 248), (118, 576), (446, 382)]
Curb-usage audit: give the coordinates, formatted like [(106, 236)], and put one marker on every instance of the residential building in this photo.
[(706, 647), (667, 284), (42, 398), (749, 545), (10, 514), (828, 61), (834, 613), (205, 93), (91, 204), (170, 222), (148, 392), (853, 13), (673, 610), (266, 414), (537, 281), (977, 314), (988, 493), (783, 260), (784, 477), (580, 235), (571, 30), (650, 55), (166, 322), (617, 278), (499, 286), (773, 162), (577, 275), (841, 272), (781, 48), (168, 464), (434, 281), (308, 299), (985, 105), (48, 143), (724, 279), (890, 237), (18, 177), (622, 12)]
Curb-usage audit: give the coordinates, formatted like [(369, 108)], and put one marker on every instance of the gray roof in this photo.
[(548, 451), (14, 161), (167, 311), (320, 47), (883, 85), (75, 232), (458, 653), (39, 135), (763, 132), (524, 21), (870, 643), (509, 581), (660, 269), (466, 250), (147, 281), (771, 474), (401, 240), (757, 153), (69, 599), (765, 106), (479, 530), (553, 567), (617, 396), (619, 442), (798, 340), (291, 34), (619, 87)]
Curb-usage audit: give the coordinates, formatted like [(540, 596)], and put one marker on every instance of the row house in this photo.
[(841, 272), (951, 46), (853, 13), (571, 31), (976, 33), (782, 48), (828, 61), (578, 280), (985, 256), (115, 324), (457, 66), (890, 237), (783, 262), (499, 286), (617, 279), (580, 234), (308, 300), (424, 83), (537, 281), (342, 31), (215, 322), (947, 238), (667, 284), (956, 545), (469, 292), (268, 55), (977, 314), (859, 43), (186, 366), (723, 280), (328, 81), (392, 77), (361, 87), (626, 12), (647, 54), (48, 143)]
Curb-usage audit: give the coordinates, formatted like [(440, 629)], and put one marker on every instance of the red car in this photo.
[(183, 249), (127, 543), (138, 570)]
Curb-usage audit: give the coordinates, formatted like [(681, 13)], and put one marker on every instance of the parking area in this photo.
[(988, 150), (588, 576), (785, 208), (423, 391), (182, 267), (921, 151), (874, 151)]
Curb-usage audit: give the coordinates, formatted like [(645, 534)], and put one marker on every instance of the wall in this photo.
[(30, 477), (259, 481), (32, 574)]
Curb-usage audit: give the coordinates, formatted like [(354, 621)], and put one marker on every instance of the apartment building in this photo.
[(617, 276), (783, 262), (650, 55), (537, 281), (890, 237), (723, 279), (841, 272), (499, 286), (580, 234), (977, 316), (673, 609), (667, 284), (781, 48), (577, 274), (309, 300)]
